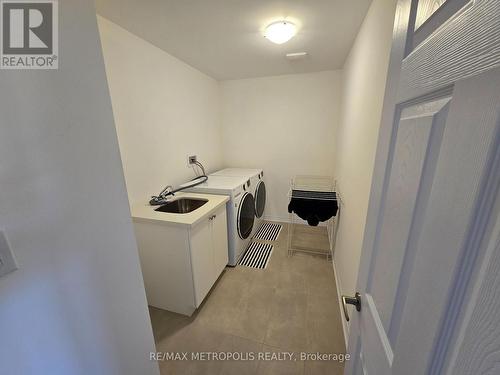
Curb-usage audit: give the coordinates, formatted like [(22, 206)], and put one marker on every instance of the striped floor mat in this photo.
[(257, 255), (268, 232)]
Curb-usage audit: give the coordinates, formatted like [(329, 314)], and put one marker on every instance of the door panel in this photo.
[(425, 9), (202, 260), (428, 208), (219, 240), (410, 150), (439, 136), (377, 353), (467, 147), (357, 358), (432, 14), (481, 329), (466, 45)]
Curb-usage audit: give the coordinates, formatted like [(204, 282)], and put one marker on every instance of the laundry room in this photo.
[(207, 81), (246, 186)]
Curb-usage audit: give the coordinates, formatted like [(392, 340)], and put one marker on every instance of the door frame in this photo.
[(472, 254)]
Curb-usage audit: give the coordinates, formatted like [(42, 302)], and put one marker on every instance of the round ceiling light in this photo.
[(280, 32)]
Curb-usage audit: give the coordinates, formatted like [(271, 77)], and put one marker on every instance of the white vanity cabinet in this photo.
[(181, 262)]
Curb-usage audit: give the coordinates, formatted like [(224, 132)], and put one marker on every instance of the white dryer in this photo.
[(257, 186), (240, 210)]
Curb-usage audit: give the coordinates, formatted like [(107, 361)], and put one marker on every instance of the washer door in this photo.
[(260, 199), (246, 215)]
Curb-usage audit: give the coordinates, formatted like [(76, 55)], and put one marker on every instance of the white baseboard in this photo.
[(286, 219), (345, 327), (281, 219)]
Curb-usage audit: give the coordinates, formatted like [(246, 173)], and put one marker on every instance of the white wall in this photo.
[(164, 110), (364, 77), (283, 124), (76, 305)]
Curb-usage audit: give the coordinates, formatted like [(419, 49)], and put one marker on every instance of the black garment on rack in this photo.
[(313, 206)]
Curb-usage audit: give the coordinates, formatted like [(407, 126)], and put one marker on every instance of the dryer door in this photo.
[(246, 215), (260, 199)]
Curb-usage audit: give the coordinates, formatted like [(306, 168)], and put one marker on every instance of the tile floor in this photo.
[(291, 306)]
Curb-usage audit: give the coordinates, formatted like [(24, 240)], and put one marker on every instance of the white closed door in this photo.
[(436, 181), (219, 241), (202, 259)]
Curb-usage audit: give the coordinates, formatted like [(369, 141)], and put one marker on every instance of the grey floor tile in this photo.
[(193, 340), (253, 313), (310, 237), (167, 326), (278, 367), (220, 308), (287, 327), (292, 305), (245, 351), (319, 277), (324, 336), (323, 368)]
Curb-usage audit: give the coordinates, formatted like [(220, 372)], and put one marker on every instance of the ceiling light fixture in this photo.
[(280, 32)]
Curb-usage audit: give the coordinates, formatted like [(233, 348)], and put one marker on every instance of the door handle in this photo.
[(356, 301)]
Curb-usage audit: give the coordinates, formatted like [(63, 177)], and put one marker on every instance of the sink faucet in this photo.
[(163, 197), (169, 191)]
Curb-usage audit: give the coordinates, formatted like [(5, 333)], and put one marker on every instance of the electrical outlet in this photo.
[(192, 159), (7, 261)]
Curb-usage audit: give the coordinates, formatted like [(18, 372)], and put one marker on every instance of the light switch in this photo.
[(7, 261)]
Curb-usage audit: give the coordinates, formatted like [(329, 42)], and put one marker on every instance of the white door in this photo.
[(202, 259), (436, 178), (219, 241)]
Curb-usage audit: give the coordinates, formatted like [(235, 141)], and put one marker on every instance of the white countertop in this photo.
[(142, 211)]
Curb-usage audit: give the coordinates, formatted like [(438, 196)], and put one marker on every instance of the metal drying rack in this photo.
[(317, 184)]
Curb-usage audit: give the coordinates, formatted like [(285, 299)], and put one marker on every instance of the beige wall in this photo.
[(282, 124), (364, 78), (77, 304), (164, 110)]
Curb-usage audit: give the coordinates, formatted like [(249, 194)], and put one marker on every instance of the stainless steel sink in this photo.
[(182, 205)]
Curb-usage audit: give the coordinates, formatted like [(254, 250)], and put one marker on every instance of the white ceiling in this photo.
[(224, 38)]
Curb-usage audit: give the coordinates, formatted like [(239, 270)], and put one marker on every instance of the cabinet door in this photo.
[(202, 259), (219, 240)]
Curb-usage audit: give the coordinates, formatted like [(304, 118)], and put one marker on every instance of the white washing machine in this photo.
[(240, 210), (258, 189)]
